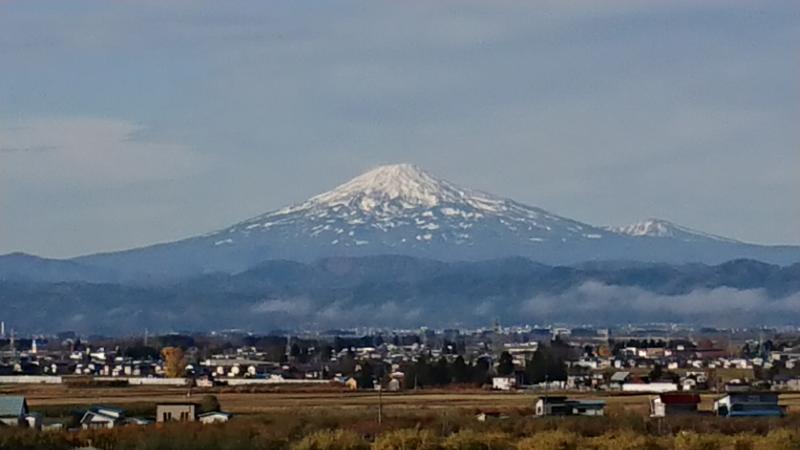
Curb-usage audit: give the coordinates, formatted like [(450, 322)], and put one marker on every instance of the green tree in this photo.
[(460, 370), (366, 376), (656, 373), (545, 364), (441, 372), (505, 365), (480, 371), (209, 403)]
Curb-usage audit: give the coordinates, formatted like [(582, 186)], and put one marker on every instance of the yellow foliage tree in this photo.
[(174, 362)]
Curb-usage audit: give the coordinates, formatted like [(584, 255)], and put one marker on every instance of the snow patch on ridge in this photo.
[(659, 228)]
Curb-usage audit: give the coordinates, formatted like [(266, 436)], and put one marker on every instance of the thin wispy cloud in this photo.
[(603, 111), (55, 152)]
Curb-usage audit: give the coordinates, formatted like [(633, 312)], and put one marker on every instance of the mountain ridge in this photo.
[(401, 209), (411, 292)]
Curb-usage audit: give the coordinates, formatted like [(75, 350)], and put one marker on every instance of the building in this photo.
[(748, 404), (102, 417), (587, 407), (658, 387), (673, 403), (394, 385), (504, 383), (34, 420), (618, 379), (176, 412), (561, 406), (213, 417), (13, 410)]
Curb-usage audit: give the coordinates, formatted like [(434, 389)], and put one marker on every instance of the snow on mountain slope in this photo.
[(400, 206), (660, 228), (403, 210)]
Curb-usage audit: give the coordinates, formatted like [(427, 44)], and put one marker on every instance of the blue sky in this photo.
[(129, 123)]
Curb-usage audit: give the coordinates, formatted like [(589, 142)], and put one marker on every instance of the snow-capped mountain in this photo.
[(659, 228), (402, 206), (403, 210)]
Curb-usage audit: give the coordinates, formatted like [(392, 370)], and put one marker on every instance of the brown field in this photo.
[(258, 400)]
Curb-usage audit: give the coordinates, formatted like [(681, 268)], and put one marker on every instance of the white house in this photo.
[(655, 388), (102, 417), (504, 383), (214, 417)]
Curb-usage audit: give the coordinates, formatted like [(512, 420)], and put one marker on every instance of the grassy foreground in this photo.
[(429, 429)]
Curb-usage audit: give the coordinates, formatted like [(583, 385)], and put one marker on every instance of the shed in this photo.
[(672, 403), (749, 404), (176, 412), (102, 417), (13, 409)]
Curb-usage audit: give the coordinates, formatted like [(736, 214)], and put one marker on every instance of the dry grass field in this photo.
[(331, 418), (257, 400)]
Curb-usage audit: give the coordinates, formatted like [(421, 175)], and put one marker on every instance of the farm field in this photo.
[(328, 417), (258, 400)]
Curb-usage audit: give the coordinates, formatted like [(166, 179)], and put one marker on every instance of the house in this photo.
[(484, 416), (504, 383), (587, 407), (658, 387), (561, 406), (176, 412), (33, 420), (214, 417), (52, 424), (13, 410), (748, 404), (137, 421), (102, 417), (618, 379), (348, 382), (673, 403), (393, 385)]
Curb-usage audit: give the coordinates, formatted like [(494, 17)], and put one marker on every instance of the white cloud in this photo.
[(292, 306), (601, 302), (90, 152)]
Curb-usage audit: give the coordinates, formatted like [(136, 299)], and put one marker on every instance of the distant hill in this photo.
[(410, 292)]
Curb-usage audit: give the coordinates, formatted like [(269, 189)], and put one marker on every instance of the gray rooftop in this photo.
[(12, 406), (620, 376)]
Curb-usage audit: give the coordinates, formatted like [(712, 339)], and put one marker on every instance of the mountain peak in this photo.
[(660, 228), (652, 227), (404, 184)]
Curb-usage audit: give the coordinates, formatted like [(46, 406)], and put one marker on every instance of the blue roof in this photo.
[(756, 413), (590, 402), (12, 406)]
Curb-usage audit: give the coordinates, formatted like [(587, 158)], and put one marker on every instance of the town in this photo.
[(745, 369)]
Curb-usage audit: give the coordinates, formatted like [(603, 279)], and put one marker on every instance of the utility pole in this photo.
[(380, 402), (546, 389)]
